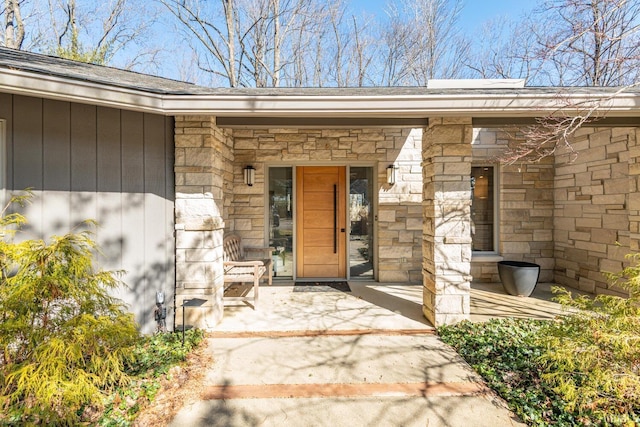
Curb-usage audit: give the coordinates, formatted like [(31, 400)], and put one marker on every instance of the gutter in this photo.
[(473, 104)]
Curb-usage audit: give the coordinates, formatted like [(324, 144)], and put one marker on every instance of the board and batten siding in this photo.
[(114, 166)]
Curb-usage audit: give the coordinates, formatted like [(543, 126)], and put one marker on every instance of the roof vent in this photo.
[(475, 83)]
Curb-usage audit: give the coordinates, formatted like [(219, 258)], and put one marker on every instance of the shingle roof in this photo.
[(109, 76), (57, 67)]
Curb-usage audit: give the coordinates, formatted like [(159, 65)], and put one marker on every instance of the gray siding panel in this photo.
[(154, 204), (28, 159), (99, 163), (109, 152), (109, 183), (27, 143), (132, 152), (169, 211), (83, 163), (56, 117), (6, 113), (56, 166), (83, 148), (133, 207)]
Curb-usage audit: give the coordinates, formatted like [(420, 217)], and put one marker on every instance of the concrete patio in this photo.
[(362, 358), (372, 305)]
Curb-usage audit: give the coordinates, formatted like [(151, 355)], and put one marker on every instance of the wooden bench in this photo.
[(238, 269)]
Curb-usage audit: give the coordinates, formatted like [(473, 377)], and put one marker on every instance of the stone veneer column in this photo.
[(446, 152), (634, 191), (202, 153)]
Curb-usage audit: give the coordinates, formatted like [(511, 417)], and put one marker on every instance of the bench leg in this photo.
[(256, 286)]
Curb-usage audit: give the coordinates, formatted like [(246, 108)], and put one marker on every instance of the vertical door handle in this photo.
[(335, 219)]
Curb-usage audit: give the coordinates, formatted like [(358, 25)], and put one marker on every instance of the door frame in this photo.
[(375, 165)]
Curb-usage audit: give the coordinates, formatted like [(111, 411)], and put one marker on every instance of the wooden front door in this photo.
[(321, 222)]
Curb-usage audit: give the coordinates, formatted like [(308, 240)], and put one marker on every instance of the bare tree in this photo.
[(14, 31), (363, 54), (344, 48), (422, 41), (97, 33), (246, 42), (396, 43), (590, 42), (578, 43), (504, 50)]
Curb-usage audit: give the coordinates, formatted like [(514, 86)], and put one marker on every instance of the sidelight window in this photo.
[(483, 209)]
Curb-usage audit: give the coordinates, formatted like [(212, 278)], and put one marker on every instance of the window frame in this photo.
[(490, 255)]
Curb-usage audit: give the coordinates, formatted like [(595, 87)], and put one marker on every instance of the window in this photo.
[(281, 219), (483, 209), (361, 219)]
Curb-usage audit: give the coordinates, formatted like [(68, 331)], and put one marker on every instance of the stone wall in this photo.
[(447, 220), (592, 207), (203, 169), (572, 214), (399, 225), (525, 207), (634, 191)]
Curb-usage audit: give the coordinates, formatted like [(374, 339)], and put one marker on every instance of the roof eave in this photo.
[(50, 87), (508, 104), (410, 106)]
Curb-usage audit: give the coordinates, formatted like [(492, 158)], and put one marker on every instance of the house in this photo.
[(372, 183)]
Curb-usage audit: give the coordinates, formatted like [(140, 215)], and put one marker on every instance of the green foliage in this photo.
[(580, 369), (154, 356), (75, 51), (157, 353), (592, 356), (505, 352), (64, 339)]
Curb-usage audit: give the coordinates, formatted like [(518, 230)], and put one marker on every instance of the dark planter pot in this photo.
[(518, 277)]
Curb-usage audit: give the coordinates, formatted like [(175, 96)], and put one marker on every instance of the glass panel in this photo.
[(482, 208), (360, 216), (281, 220)]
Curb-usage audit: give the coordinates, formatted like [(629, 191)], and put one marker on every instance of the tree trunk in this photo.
[(14, 26)]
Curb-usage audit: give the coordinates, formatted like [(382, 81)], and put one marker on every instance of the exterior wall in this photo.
[(447, 220), (571, 214), (203, 171), (526, 215), (634, 191), (114, 166), (399, 225), (592, 207)]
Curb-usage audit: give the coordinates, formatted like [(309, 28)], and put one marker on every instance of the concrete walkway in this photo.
[(364, 358)]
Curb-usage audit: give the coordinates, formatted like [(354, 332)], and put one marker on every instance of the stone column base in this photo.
[(202, 311)]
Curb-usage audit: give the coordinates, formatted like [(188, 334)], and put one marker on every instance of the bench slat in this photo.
[(239, 270)]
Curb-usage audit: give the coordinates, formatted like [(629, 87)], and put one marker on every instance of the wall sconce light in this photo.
[(391, 174), (249, 175)]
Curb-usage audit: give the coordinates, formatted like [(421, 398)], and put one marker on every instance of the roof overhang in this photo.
[(476, 104), (51, 87)]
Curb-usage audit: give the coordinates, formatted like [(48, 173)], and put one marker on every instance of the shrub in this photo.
[(592, 356), (64, 339), (581, 369)]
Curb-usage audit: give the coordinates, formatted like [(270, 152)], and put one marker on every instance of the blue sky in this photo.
[(474, 13)]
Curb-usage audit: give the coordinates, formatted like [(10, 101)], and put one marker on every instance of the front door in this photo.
[(321, 222)]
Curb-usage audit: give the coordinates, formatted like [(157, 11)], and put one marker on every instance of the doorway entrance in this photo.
[(306, 219), (321, 222)]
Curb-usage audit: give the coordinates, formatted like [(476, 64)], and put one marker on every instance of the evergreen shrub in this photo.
[(63, 339)]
